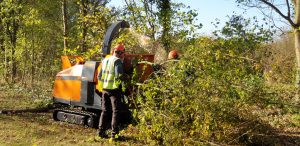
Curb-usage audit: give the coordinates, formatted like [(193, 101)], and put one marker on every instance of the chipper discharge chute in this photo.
[(76, 84)]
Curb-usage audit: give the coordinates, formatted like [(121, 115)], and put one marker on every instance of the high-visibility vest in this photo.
[(108, 78)]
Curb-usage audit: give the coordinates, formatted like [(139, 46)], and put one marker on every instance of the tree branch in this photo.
[(149, 15), (288, 7), (288, 18), (130, 8)]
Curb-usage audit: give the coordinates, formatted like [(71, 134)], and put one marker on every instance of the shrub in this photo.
[(204, 96)]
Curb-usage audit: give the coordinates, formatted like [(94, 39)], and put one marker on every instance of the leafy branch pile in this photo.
[(209, 96)]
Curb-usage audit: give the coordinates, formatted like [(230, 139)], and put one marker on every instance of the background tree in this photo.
[(11, 23), (165, 13), (31, 30), (288, 10), (279, 64), (137, 12), (93, 19), (65, 23), (2, 47), (206, 95), (167, 22)]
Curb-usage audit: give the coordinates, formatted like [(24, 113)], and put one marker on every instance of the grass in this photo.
[(41, 129)]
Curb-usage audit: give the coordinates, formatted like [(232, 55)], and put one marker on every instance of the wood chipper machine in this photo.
[(76, 85)]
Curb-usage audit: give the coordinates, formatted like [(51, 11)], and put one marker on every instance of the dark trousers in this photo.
[(111, 104)]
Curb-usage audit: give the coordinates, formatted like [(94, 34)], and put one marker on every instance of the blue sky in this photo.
[(210, 10)]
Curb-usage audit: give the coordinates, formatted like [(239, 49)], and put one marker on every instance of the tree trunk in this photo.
[(2, 45), (2, 48), (84, 5), (15, 28), (25, 65), (149, 14), (1, 39), (64, 14), (297, 49), (165, 20), (6, 66), (129, 7), (32, 64), (297, 41), (12, 28)]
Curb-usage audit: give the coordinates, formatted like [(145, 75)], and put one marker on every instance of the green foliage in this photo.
[(164, 17), (87, 32), (283, 96), (34, 42), (199, 97), (169, 22), (237, 26), (280, 63), (10, 23), (206, 95), (214, 93), (27, 98)]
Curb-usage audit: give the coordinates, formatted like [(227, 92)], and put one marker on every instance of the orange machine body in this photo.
[(68, 83), (78, 84), (134, 61)]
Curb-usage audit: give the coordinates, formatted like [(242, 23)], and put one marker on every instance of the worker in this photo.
[(110, 77), (173, 55)]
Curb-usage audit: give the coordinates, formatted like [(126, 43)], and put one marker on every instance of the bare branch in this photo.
[(288, 7), (273, 21), (131, 9), (288, 18), (149, 14)]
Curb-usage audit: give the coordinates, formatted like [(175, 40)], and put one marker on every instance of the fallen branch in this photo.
[(31, 110)]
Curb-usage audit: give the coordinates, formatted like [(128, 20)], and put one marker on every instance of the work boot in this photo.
[(114, 136), (117, 137), (102, 134)]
